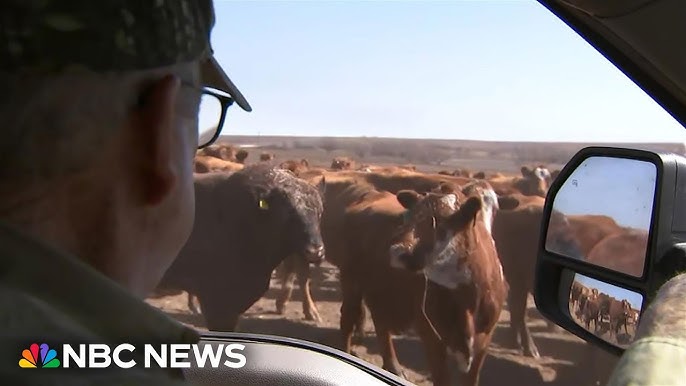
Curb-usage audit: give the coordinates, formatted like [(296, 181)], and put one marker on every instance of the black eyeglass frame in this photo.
[(226, 102)]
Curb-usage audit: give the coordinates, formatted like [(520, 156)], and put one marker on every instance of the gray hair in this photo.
[(52, 126)]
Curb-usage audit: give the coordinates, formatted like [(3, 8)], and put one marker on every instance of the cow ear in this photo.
[(526, 172), (508, 202), (465, 215), (408, 198), (304, 162), (447, 187)]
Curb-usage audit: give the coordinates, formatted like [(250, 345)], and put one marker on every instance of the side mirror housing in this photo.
[(613, 231)]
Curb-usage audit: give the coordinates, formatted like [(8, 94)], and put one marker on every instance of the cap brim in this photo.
[(214, 76)]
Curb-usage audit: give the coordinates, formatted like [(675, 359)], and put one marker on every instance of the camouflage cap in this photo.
[(48, 36)]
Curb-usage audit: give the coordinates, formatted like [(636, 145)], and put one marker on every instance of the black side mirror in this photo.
[(613, 231)]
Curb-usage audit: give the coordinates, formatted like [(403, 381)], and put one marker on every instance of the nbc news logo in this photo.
[(102, 356), (39, 356)]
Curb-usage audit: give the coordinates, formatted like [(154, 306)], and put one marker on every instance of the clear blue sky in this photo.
[(487, 70), (635, 299), (620, 188)]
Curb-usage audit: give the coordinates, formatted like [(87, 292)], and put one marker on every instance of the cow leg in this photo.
[(385, 340), (481, 343), (517, 301), (359, 324), (436, 356), (286, 272), (351, 309), (309, 308)]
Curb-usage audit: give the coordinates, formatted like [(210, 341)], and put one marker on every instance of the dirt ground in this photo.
[(565, 360)]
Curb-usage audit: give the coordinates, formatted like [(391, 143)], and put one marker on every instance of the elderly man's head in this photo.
[(96, 158)]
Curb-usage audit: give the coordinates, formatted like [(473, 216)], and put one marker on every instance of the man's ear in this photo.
[(152, 128), (408, 198)]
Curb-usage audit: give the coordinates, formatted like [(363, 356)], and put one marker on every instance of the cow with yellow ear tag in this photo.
[(246, 224)]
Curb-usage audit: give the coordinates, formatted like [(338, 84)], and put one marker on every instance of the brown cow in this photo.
[(390, 182), (266, 157), (297, 167), (241, 155), (246, 224), (590, 310), (516, 231), (591, 228), (359, 226), (624, 252), (457, 173), (465, 287), (616, 312), (342, 163), (531, 183), (207, 164), (575, 293), (221, 151)]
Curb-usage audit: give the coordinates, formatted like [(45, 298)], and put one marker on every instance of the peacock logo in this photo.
[(39, 356)]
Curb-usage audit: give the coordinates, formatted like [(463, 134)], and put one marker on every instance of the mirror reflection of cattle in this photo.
[(624, 252), (610, 217), (608, 313), (246, 224)]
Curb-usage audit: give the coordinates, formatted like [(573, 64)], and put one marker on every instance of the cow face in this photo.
[(561, 237), (445, 246), (291, 214), (427, 236), (535, 181), (417, 235), (342, 163)]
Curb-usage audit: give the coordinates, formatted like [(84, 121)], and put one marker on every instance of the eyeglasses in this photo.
[(211, 115)]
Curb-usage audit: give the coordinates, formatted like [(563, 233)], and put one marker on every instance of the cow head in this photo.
[(241, 155), (289, 214), (265, 157), (561, 237), (342, 163), (534, 182)]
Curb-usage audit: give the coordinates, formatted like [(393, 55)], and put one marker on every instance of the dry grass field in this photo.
[(565, 359)]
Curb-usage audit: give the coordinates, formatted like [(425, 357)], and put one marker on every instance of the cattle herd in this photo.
[(441, 254), (606, 314)]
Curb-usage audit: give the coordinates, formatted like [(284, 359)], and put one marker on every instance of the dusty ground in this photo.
[(565, 359)]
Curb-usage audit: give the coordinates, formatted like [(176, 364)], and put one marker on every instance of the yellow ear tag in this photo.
[(263, 204)]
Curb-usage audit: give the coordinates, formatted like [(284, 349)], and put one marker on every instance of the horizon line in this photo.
[(446, 139)]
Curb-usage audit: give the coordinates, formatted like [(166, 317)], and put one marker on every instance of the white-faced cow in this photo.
[(465, 288), (246, 224)]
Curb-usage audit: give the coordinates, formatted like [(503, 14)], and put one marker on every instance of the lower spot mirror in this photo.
[(609, 312)]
